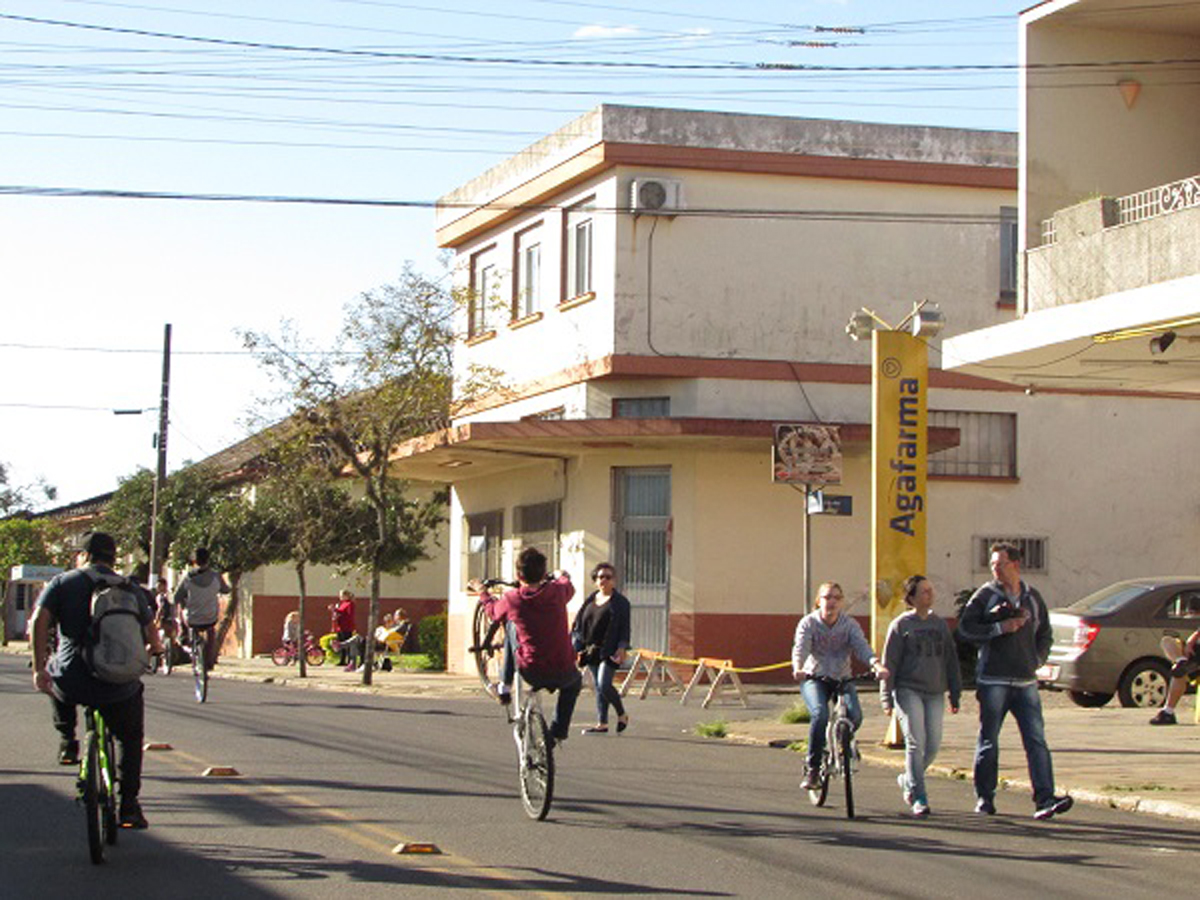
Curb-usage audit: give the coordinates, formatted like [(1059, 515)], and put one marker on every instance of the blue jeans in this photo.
[(920, 717), (606, 694), (995, 702), (816, 695)]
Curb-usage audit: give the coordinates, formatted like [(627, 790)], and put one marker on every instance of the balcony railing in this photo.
[(1147, 204)]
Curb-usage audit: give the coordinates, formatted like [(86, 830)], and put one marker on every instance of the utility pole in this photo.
[(160, 473)]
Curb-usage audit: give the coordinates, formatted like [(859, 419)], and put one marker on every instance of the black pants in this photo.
[(127, 722)]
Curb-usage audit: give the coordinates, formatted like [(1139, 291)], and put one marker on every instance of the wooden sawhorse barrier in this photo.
[(719, 672), (653, 666)]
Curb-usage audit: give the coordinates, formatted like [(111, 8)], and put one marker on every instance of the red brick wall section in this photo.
[(270, 611)]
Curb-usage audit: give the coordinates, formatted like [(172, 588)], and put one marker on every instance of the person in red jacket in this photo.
[(537, 611), (343, 620)]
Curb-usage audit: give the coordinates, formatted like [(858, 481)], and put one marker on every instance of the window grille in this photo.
[(641, 407), (1034, 552), (987, 446)]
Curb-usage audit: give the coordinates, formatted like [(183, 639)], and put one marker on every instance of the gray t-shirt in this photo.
[(824, 651)]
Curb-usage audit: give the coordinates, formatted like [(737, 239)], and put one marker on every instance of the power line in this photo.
[(823, 215)]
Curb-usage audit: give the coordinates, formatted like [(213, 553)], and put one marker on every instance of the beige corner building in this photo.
[(660, 287)]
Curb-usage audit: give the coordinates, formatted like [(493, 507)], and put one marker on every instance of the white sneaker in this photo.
[(906, 791), (920, 809)]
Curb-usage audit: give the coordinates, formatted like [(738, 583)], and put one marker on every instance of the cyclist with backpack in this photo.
[(104, 623), (197, 596)]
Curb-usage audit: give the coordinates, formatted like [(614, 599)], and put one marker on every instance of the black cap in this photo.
[(97, 543)]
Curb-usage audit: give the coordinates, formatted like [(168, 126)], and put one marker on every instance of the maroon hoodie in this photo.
[(539, 612)]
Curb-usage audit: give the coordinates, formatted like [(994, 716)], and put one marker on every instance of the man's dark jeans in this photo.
[(1023, 701)]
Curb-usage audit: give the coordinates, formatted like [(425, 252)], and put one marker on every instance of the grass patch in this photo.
[(798, 746), (1147, 788), (797, 715), (717, 729), (417, 662)]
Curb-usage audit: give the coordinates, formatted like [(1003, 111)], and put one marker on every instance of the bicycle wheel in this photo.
[(315, 656), (845, 750), (108, 799), (199, 669), (818, 794), (282, 656), (537, 766), (487, 645), (90, 777)]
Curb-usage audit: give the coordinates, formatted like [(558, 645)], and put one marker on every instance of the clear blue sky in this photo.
[(348, 99)]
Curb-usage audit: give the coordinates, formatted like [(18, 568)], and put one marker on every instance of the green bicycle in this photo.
[(96, 786)]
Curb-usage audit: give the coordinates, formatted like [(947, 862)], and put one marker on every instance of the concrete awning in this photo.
[(488, 448), (1097, 345)]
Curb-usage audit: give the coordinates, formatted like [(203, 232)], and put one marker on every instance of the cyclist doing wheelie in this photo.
[(67, 678), (197, 598), (537, 612), (825, 640)]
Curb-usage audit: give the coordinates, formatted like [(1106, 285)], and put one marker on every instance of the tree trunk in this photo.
[(301, 649), (235, 579)]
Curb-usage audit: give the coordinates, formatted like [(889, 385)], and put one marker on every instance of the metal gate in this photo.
[(641, 537)]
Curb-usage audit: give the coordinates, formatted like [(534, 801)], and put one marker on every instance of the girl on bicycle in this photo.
[(920, 656), (824, 642)]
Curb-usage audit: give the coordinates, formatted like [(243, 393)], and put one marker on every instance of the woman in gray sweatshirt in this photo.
[(922, 665)]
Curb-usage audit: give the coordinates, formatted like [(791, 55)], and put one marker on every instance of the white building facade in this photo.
[(659, 287)]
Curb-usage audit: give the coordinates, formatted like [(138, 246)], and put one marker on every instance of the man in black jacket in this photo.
[(1009, 622)]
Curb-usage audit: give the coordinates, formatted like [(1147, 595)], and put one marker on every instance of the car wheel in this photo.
[(1144, 684), (1089, 699)]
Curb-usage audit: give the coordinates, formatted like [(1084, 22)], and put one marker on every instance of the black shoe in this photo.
[(68, 753), (985, 807), (1164, 718), (1055, 806), (131, 816)]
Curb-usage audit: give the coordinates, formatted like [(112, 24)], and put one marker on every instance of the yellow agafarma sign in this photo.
[(899, 447)]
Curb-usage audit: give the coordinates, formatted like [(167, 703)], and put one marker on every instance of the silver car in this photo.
[(1110, 642)]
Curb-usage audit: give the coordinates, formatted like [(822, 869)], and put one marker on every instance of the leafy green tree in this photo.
[(314, 516), (19, 498), (389, 378), (22, 542), (187, 494)]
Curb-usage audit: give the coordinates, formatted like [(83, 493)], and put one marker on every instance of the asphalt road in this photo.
[(330, 783)]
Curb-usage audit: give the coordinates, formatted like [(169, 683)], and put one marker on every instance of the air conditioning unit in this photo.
[(656, 196)]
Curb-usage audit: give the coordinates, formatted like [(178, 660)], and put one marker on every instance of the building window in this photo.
[(527, 288), (484, 532), (485, 291), (1008, 256), (1035, 552), (641, 407), (579, 249), (987, 446), (538, 526)]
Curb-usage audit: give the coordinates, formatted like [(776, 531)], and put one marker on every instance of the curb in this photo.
[(1134, 803)]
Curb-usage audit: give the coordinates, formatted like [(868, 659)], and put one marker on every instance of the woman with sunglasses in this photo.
[(601, 637)]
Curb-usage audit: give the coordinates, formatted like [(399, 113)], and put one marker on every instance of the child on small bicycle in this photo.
[(537, 611), (824, 642)]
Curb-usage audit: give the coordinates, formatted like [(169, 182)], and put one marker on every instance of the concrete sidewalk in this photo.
[(1108, 756)]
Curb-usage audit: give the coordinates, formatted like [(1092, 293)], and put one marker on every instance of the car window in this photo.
[(1183, 605), (1109, 599)]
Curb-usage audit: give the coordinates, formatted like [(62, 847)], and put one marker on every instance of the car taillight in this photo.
[(1085, 634)]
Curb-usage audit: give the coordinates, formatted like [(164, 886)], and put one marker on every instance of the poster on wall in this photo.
[(806, 454)]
